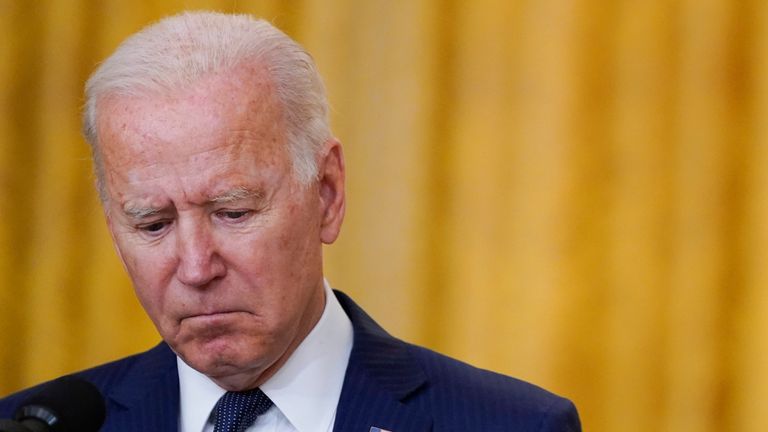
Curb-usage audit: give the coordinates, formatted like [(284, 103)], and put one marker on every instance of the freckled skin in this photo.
[(233, 287)]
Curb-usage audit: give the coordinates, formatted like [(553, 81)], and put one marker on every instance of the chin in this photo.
[(219, 359)]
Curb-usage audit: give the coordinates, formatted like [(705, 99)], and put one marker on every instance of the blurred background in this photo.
[(573, 192)]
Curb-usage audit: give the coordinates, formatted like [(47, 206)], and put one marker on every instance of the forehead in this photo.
[(221, 118), (229, 105)]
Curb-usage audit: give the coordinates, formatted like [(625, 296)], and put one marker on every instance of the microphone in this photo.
[(67, 404)]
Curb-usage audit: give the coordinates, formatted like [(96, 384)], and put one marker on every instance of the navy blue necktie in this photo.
[(236, 411)]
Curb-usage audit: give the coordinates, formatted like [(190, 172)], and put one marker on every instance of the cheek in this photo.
[(145, 286), (278, 262), (150, 275), (278, 255)]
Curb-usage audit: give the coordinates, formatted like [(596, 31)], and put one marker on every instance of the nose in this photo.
[(199, 262)]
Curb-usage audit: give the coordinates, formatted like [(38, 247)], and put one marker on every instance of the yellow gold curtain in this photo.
[(574, 192)]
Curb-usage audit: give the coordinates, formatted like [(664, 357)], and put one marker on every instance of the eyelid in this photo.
[(223, 214), (143, 227), (223, 211)]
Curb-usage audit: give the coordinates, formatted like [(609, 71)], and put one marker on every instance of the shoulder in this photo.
[(105, 377), (458, 396), (467, 396)]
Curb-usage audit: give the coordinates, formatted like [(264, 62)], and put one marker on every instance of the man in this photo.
[(220, 182)]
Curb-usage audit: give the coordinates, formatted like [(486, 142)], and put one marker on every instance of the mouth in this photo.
[(212, 315)]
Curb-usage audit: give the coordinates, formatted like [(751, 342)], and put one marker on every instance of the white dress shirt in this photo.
[(305, 391)]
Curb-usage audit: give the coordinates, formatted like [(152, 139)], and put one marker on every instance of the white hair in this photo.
[(176, 51)]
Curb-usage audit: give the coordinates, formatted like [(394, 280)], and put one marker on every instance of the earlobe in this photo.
[(331, 191)]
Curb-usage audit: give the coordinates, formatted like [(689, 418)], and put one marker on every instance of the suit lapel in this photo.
[(380, 377), (148, 397)]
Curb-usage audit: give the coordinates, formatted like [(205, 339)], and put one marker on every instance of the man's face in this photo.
[(222, 244)]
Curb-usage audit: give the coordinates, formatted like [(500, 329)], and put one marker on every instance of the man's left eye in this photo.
[(232, 214)]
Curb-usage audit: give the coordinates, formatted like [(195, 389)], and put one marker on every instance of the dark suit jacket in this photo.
[(389, 384)]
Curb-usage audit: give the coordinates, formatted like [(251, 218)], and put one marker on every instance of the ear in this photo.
[(331, 189)]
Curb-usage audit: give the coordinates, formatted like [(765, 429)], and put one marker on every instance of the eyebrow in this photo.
[(235, 194), (140, 212), (232, 195)]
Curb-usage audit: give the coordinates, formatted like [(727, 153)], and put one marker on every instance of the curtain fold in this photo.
[(573, 192)]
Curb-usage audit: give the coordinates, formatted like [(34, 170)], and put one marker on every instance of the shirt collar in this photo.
[(305, 389)]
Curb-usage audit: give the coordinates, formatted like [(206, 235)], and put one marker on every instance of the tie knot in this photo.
[(236, 411)]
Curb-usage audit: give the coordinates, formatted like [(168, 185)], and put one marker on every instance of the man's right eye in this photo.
[(154, 227)]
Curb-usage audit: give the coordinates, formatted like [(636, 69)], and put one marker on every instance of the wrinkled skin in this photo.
[(222, 244)]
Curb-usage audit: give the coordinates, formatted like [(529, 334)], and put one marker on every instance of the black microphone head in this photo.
[(67, 404)]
